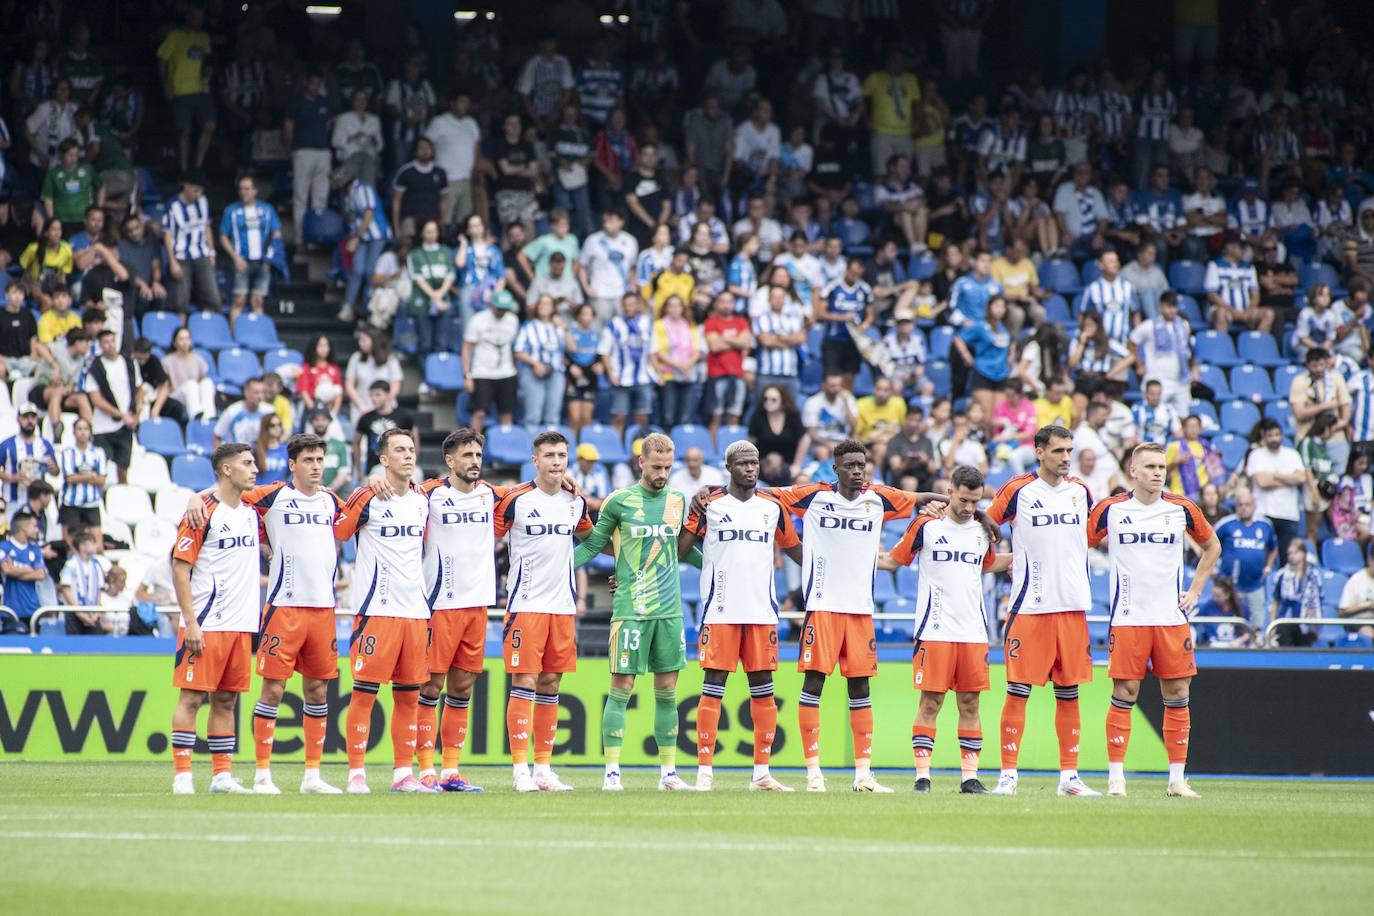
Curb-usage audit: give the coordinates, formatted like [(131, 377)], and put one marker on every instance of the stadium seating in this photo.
[(1251, 383), (1216, 348), (690, 435), (908, 582), (161, 436), (155, 536), (236, 366), (192, 471), (508, 444), (210, 330), (922, 266), (1283, 378), (884, 588), (689, 578), (1342, 556), (256, 332), (275, 360), (170, 502), (444, 371), (727, 434), (1239, 417), (1260, 349), (606, 442), (148, 471), (1060, 277), (940, 376), (1233, 449), (128, 504), (1214, 377), (1282, 411), (1191, 312), (160, 327), (1057, 310), (941, 339), (1188, 277), (200, 437)]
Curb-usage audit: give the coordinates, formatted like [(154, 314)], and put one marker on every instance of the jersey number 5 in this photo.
[(515, 638)]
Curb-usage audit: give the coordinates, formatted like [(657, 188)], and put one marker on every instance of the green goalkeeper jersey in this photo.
[(642, 528)]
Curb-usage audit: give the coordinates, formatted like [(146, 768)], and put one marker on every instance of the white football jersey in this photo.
[(223, 554), (840, 542), (541, 528), (1146, 547), (949, 593), (460, 546), (300, 530), (737, 538), (391, 537), (1049, 543)]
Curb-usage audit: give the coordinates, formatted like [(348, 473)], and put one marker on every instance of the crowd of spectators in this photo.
[(719, 219)]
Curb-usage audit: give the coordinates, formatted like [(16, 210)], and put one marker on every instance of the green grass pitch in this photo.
[(109, 838)]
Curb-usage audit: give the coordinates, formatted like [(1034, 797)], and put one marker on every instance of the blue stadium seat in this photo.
[(633, 432), (192, 471), (690, 579), (1098, 632), (1214, 377), (210, 330), (508, 444), (727, 434), (1207, 411), (922, 266), (1283, 378), (1239, 417), (1217, 348), (1188, 277), (999, 476), (1282, 411), (854, 234), (689, 435), (892, 533), (444, 371), (863, 382), (1100, 584), (161, 436), (1251, 383), (908, 581), (1057, 310), (160, 327), (606, 442), (902, 628), (941, 339), (1233, 449), (200, 437), (256, 332), (236, 366), (209, 361), (884, 588), (1333, 583), (938, 372), (1260, 349), (528, 471), (405, 335), (1342, 556), (1191, 312), (323, 227), (1060, 276), (1316, 272), (273, 360)]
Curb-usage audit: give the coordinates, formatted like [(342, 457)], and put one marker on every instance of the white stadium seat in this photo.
[(128, 504)]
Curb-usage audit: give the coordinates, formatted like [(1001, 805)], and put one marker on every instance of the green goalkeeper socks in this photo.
[(665, 722), (613, 719)]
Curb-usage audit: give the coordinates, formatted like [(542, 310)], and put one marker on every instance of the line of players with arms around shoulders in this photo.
[(425, 576)]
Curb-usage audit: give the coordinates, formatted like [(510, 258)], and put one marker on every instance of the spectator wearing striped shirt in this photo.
[(779, 332), (83, 481), (1250, 217), (1160, 212), (1361, 387), (122, 110), (626, 352), (1162, 349), (1081, 212), (966, 132), (1156, 420), (24, 458), (243, 88), (369, 232), (600, 83), (1112, 298), (1111, 115), (1072, 104), (190, 244), (1233, 292), (1157, 110), (248, 232), (1002, 147), (539, 367), (907, 349), (1277, 148), (1097, 358)]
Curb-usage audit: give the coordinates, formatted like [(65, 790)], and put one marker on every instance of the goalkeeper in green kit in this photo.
[(641, 523)]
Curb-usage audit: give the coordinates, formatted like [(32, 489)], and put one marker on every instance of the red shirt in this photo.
[(311, 376), (726, 362)]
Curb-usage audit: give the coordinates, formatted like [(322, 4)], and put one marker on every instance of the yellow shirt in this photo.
[(281, 405), (1176, 479), (1016, 278), (935, 121), (59, 260), (51, 325), (665, 283), (879, 422), (1061, 414), (893, 99), (185, 53)]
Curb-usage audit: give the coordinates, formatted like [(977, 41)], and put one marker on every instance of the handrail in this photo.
[(10, 611), (47, 609), (1345, 622)]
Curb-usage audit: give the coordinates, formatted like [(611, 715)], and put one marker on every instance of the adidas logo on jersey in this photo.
[(943, 540), (534, 513), (1037, 505), (386, 513), (224, 529), (1125, 519), (725, 519)]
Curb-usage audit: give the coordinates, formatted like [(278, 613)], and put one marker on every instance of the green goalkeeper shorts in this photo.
[(644, 646)]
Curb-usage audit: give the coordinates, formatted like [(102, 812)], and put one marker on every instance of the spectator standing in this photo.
[(890, 97), (83, 481), (21, 562), (457, 148), (71, 186), (419, 192), (600, 83), (546, 82), (24, 458), (1249, 548), (732, 78), (357, 138), (53, 121), (1163, 349), (779, 332), (409, 105), (432, 277), (647, 196), (1320, 391), (384, 415), (183, 65), (489, 359), (986, 347), (776, 427), (356, 73), (582, 342), (842, 305), (830, 414), (1322, 471), (626, 349), (727, 340), (481, 268), (368, 233), (710, 139), (190, 245), (1297, 594), (539, 364), (188, 378), (1277, 476), (615, 156), (306, 133), (249, 232), (80, 584), (141, 256), (535, 256), (1233, 292), (571, 145), (838, 98), (1157, 109), (116, 394), (679, 356), (606, 262), (757, 149), (242, 420), (243, 89), (518, 175)]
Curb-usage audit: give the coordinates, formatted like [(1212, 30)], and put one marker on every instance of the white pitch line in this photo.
[(860, 848)]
